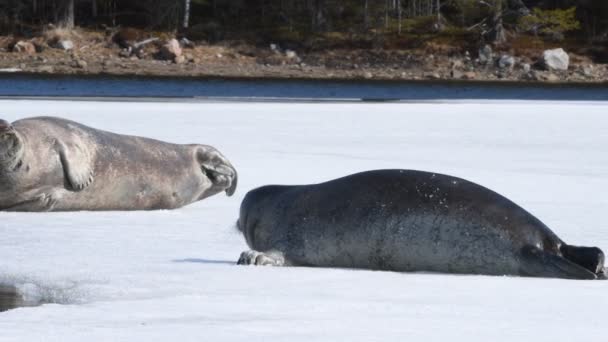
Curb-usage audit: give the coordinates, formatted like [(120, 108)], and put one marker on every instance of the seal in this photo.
[(407, 221), (53, 164)]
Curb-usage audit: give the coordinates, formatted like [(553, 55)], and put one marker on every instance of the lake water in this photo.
[(12, 85)]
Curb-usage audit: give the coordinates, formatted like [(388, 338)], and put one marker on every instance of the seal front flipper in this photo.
[(271, 258), (217, 168), (536, 262), (77, 164)]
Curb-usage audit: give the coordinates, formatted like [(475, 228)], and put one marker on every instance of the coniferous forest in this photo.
[(438, 27)]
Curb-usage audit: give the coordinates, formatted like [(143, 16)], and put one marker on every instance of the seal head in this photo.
[(11, 145)]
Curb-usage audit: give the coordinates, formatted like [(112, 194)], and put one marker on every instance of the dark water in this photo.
[(32, 85), (9, 298)]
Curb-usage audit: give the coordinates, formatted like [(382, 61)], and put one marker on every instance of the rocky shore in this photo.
[(94, 53)]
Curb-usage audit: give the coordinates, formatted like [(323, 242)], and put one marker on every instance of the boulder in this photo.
[(24, 47), (432, 75), (79, 63), (290, 54), (456, 74), (469, 75), (551, 77), (171, 50), (49, 69), (125, 53), (65, 45), (486, 55), (506, 62), (556, 59)]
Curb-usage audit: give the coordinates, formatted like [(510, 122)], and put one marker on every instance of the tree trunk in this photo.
[(366, 14), (186, 13), (386, 3), (94, 8), (399, 15), (499, 30), (65, 14)]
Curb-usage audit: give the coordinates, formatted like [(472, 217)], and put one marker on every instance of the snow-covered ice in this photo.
[(170, 275)]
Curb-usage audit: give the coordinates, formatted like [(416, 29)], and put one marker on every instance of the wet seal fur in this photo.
[(404, 220), (53, 164)]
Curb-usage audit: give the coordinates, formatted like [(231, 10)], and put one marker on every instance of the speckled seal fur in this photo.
[(404, 220)]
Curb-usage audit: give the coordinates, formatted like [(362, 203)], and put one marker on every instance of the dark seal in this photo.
[(50, 163), (403, 220)]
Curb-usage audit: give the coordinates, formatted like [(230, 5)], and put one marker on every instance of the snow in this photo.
[(170, 275)]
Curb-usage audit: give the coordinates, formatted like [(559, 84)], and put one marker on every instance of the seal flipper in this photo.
[(591, 258), (77, 165), (539, 263), (270, 258)]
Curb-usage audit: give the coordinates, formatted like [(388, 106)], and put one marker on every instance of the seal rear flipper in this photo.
[(77, 164), (591, 258), (538, 263)]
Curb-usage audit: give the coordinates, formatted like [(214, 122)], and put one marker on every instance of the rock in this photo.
[(196, 60), (506, 62), (456, 74), (469, 75), (125, 53), (185, 42), (24, 47), (219, 55), (457, 64), (180, 59), (551, 77), (588, 70), (80, 64), (290, 54), (10, 70), (526, 67), (140, 53), (556, 59), (171, 50), (65, 45), (486, 55), (368, 75), (189, 57), (432, 75), (275, 48), (532, 75), (46, 69)]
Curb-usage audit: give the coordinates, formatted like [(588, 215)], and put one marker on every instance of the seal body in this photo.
[(404, 220), (49, 163)]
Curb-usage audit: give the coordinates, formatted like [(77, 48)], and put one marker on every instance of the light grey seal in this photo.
[(404, 220), (53, 164)]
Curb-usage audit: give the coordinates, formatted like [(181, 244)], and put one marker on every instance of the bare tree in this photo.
[(64, 13), (186, 13)]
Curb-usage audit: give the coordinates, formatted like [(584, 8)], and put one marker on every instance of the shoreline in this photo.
[(507, 83)]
